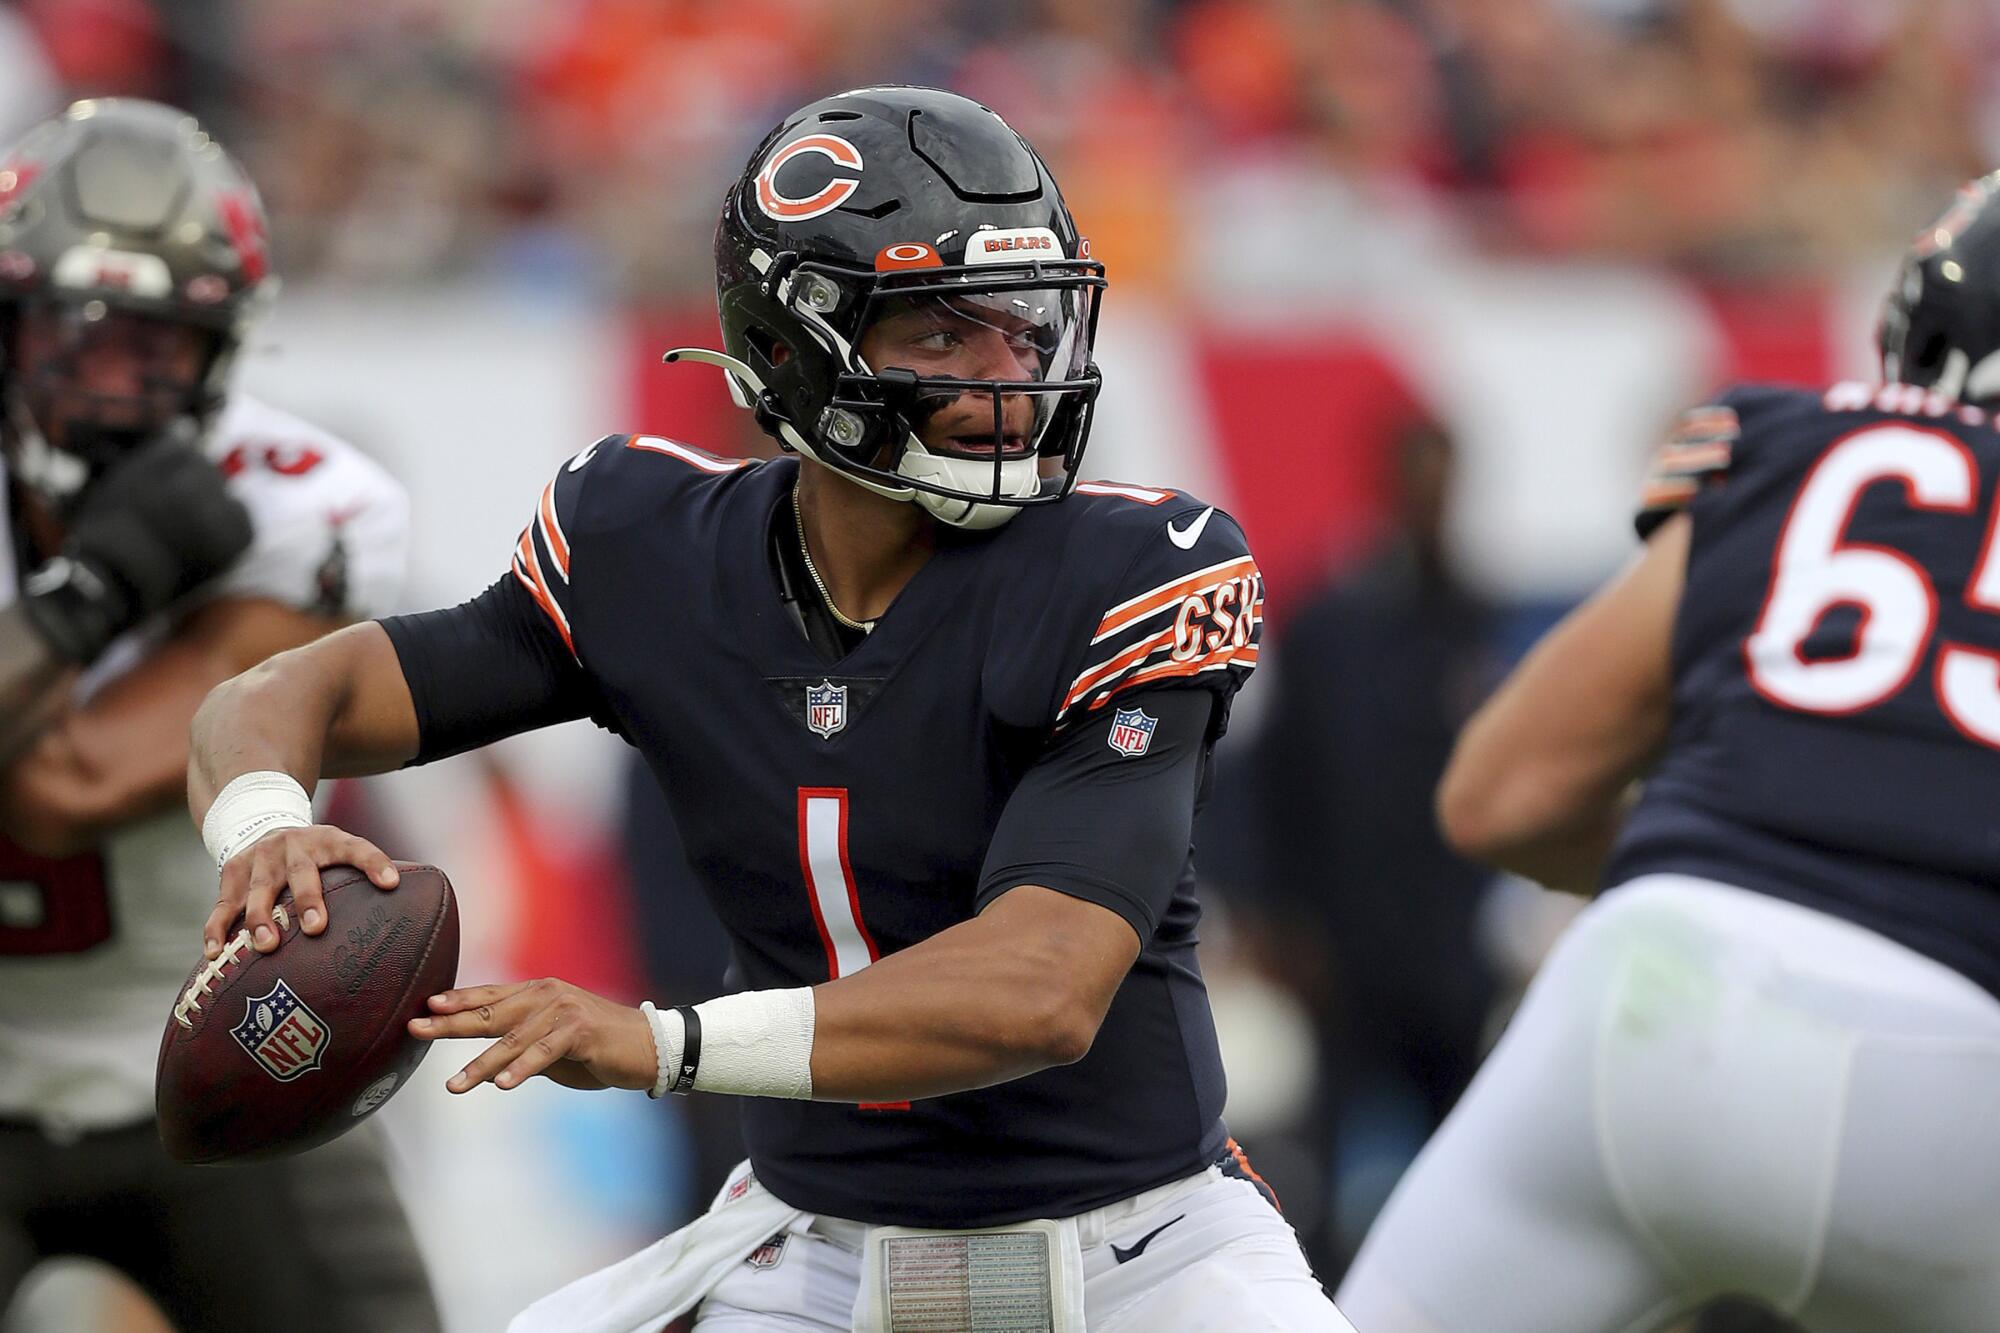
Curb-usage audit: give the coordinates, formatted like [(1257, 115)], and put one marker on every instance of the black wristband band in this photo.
[(690, 1050)]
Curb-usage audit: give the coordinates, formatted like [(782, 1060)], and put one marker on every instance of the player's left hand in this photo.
[(545, 1027)]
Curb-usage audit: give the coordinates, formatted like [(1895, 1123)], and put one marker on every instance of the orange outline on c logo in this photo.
[(829, 196)]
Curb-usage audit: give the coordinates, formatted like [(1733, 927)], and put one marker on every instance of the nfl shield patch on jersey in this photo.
[(281, 1033), (1132, 731), (768, 1254), (826, 707)]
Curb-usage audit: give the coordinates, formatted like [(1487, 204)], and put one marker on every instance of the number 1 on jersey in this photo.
[(830, 889), (836, 905)]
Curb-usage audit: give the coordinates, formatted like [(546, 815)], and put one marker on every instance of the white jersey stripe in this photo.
[(1145, 495), (694, 457)]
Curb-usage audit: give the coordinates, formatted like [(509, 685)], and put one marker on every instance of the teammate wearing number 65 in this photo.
[(1766, 1062), (934, 720)]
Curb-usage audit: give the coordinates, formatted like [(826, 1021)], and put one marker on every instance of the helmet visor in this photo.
[(966, 348)]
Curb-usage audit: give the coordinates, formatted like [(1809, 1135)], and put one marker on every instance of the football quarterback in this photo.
[(933, 718)]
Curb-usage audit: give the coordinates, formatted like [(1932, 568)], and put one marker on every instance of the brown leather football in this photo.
[(271, 1054)]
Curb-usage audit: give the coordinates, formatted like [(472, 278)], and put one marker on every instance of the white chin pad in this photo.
[(1018, 480)]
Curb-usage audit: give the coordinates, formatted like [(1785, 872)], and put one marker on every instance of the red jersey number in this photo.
[(287, 460)]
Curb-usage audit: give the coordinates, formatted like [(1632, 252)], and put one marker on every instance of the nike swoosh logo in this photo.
[(582, 460), (1127, 1255), (1186, 537)]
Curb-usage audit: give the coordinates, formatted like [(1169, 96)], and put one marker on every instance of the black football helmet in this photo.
[(1941, 324), (920, 204), (122, 220)]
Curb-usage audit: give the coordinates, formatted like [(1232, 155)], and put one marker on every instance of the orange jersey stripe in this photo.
[(552, 531), (1222, 657), (1243, 1160), (1709, 421), (1112, 666), (1131, 612), (529, 571), (1662, 493), (1680, 456), (548, 608)]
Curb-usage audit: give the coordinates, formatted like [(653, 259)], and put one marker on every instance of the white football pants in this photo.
[(1219, 1258), (1710, 1091)]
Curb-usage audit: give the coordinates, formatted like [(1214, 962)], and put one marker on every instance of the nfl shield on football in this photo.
[(270, 1054)]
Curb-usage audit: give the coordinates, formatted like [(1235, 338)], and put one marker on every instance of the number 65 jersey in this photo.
[(1836, 664), (93, 947)]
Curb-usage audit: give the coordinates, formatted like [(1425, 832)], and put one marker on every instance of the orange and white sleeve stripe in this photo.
[(1699, 450), (1205, 621), (528, 569), (549, 528), (542, 557)]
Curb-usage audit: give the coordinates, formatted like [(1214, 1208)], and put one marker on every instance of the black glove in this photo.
[(155, 527)]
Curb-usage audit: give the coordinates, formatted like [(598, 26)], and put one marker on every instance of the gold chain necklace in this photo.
[(799, 518)]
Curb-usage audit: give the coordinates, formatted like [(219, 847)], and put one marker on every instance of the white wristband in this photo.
[(757, 1043), (667, 1035), (753, 1044), (252, 805)]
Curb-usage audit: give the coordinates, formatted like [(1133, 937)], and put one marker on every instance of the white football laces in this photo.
[(204, 980)]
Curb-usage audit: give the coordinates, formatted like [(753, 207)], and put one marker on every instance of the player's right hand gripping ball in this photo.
[(271, 1054)]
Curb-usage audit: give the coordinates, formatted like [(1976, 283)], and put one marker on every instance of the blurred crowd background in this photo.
[(1409, 285), (543, 140)]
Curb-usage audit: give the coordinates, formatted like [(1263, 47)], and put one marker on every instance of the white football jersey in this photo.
[(94, 948)]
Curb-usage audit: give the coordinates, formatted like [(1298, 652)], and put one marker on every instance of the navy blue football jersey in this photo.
[(839, 811), (1836, 664)]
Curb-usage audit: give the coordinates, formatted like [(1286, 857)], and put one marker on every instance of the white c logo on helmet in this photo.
[(827, 198)]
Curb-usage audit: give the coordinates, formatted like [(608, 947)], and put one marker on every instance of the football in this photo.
[(271, 1054)]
